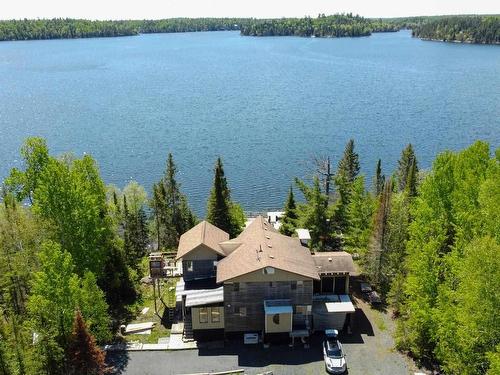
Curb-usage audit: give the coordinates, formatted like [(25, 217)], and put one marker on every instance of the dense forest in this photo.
[(73, 28), (471, 29), (71, 250), (339, 25), (464, 29)]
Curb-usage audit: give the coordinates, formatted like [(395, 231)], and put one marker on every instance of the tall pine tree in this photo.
[(379, 179), (406, 163), (376, 260), (349, 164), (289, 219), (219, 204), (171, 210)]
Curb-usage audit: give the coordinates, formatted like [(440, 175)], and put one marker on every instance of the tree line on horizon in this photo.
[(338, 25), (470, 29), (428, 241), (466, 28), (66, 28)]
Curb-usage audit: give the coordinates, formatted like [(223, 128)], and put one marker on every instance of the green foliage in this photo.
[(494, 360), (221, 211), (57, 291), (338, 25), (379, 179), (407, 170), (348, 168), (84, 356), (59, 28), (170, 208), (35, 155), (452, 263), (360, 210), (376, 258), (116, 281), (315, 215), (289, 219), (465, 335), (465, 29), (71, 198)]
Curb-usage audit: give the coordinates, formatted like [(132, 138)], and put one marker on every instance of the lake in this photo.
[(267, 106)]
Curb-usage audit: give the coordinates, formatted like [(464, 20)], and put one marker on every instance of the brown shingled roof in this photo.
[(262, 246), (334, 262), (203, 233)]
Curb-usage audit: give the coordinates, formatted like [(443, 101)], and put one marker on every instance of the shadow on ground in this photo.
[(117, 361), (277, 354)]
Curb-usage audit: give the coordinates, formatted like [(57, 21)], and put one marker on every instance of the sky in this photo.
[(153, 9)]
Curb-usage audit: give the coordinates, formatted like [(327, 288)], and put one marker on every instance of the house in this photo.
[(260, 282)]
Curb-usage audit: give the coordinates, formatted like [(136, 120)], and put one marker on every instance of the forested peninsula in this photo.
[(339, 25), (469, 29)]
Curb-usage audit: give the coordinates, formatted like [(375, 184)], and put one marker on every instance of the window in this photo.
[(300, 283), (236, 287), (268, 271), (301, 309), (203, 315), (215, 315), (293, 285), (242, 311), (189, 265), (276, 319)]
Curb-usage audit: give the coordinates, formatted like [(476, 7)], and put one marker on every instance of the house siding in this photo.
[(202, 260), (251, 296)]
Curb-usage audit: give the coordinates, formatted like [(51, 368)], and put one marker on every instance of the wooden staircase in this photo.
[(187, 334)]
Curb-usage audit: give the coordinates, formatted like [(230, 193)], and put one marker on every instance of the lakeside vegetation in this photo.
[(429, 241), (469, 29), (464, 29), (75, 28), (339, 25)]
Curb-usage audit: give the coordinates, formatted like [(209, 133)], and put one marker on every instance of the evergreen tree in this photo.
[(172, 214), (411, 183), (218, 208), (289, 219), (406, 163), (84, 356), (376, 261), (359, 215), (379, 179), (135, 237), (315, 215), (348, 167), (120, 289)]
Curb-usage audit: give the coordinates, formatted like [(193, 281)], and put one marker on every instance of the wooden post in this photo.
[(154, 295)]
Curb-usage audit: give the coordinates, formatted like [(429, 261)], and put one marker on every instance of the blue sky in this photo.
[(139, 9)]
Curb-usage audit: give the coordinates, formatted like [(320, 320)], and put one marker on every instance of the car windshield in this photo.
[(333, 349)]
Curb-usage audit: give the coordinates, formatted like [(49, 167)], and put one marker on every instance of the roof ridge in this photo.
[(203, 231)]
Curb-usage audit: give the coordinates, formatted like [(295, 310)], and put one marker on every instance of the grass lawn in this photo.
[(147, 300)]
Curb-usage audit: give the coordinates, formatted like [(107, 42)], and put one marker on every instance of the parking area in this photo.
[(369, 351)]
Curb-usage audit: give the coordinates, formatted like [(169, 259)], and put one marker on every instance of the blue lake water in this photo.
[(266, 105)]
